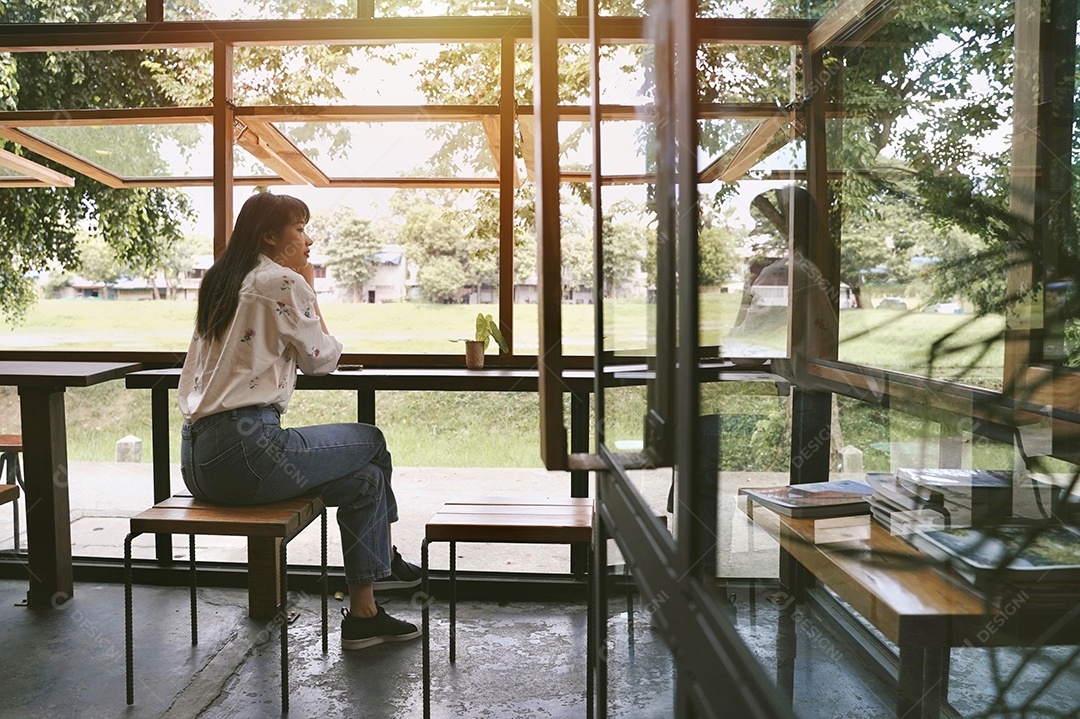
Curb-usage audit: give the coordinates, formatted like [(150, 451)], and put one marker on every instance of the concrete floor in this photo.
[(515, 659)]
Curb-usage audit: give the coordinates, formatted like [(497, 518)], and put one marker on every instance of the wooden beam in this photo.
[(851, 21), (46, 175), (505, 160), (8, 182), (367, 113), (260, 150), (61, 156), (363, 31), (397, 181), (765, 139), (493, 131), (553, 444), (288, 153), (223, 145), (126, 116), (526, 136), (155, 10)]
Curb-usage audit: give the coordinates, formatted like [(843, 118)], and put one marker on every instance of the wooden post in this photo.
[(223, 145), (549, 260)]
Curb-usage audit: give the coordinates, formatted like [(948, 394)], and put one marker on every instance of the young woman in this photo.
[(258, 320)]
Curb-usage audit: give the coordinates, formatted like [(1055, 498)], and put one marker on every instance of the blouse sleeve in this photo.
[(315, 351)]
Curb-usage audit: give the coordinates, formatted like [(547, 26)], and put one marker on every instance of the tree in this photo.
[(143, 226), (717, 260), (436, 243), (40, 226), (98, 261), (351, 245)]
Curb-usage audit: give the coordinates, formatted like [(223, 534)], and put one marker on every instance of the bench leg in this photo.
[(263, 580), (453, 602), (591, 619), (191, 590), (597, 699), (128, 639), (284, 615), (425, 597), (325, 582)]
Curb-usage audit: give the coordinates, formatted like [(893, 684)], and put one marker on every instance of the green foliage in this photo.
[(40, 225), (487, 329), (717, 260), (351, 244)]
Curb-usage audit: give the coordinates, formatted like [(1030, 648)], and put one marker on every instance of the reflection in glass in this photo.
[(920, 201), (408, 149)]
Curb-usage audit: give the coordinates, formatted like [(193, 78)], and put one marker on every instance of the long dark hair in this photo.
[(219, 294)]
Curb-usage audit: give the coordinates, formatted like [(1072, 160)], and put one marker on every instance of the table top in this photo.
[(62, 374), (445, 378), (883, 577)]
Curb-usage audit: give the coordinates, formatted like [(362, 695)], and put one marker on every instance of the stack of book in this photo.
[(918, 499)]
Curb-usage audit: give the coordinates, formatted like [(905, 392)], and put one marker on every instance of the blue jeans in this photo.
[(244, 456)]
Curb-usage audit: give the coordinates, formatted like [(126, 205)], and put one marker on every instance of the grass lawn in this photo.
[(463, 429)]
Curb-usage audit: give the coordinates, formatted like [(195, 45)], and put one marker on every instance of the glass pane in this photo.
[(257, 10), (811, 9), (749, 73), (58, 11), (138, 150), (394, 149), (919, 164), (413, 8), (1063, 343), (748, 421), (624, 74)]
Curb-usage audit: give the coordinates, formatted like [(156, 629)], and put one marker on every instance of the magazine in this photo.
[(816, 499), (999, 555)]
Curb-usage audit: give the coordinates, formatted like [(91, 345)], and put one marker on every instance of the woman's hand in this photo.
[(307, 272)]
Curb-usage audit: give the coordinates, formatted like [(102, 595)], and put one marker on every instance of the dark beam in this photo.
[(363, 31)]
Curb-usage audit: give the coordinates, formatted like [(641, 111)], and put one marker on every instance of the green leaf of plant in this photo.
[(498, 336)]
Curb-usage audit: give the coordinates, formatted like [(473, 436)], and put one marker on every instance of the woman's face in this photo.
[(289, 246)]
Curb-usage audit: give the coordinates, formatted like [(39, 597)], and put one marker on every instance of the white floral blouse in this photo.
[(274, 330)]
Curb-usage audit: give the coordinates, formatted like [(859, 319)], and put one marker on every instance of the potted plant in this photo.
[(486, 330)]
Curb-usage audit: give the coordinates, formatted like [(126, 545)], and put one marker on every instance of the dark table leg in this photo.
[(159, 430), (579, 479), (48, 514)]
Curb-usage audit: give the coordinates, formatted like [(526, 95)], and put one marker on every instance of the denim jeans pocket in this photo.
[(227, 477)]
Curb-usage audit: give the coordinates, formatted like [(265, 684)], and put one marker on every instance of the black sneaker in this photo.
[(403, 575), (361, 633)]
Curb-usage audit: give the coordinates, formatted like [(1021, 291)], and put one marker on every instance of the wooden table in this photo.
[(917, 607), (45, 473)]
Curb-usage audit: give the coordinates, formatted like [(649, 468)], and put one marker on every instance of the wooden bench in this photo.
[(8, 493), (504, 519), (280, 521)]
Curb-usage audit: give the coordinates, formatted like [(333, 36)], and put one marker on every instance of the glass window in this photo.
[(919, 165), (35, 11)]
